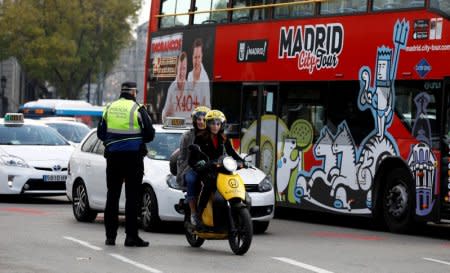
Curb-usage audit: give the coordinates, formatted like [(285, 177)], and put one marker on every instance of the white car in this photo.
[(86, 183), (33, 157), (73, 131)]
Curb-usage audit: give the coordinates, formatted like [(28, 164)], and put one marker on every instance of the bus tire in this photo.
[(398, 201)]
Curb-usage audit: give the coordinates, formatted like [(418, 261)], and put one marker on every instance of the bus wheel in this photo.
[(398, 200)]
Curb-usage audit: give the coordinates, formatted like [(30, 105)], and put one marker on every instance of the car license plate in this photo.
[(55, 178)]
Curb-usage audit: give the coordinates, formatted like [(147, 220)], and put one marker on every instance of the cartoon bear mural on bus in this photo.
[(348, 171), (342, 180)]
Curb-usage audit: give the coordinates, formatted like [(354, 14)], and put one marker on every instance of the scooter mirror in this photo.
[(253, 150)]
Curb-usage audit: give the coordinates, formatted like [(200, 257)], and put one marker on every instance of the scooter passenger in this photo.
[(214, 143), (185, 174)]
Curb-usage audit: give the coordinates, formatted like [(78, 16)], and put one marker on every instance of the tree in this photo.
[(64, 42)]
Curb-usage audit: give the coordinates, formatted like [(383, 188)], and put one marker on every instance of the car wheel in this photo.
[(149, 213), (260, 227), (80, 204)]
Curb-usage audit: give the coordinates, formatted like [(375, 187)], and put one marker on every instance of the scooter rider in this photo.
[(186, 175), (214, 143)]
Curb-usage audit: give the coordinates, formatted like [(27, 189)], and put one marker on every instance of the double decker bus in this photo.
[(347, 99)]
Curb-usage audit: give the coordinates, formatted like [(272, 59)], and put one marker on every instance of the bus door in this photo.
[(445, 184), (259, 123)]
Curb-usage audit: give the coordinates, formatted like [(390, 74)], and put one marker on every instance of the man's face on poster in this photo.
[(197, 57), (182, 70)]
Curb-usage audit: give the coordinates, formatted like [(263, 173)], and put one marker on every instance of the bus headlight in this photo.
[(13, 161), (265, 185)]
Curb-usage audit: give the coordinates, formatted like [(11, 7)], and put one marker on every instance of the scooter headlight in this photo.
[(265, 185), (230, 164)]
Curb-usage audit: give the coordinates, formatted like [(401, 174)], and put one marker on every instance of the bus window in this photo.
[(241, 15), (213, 17), (298, 10), (173, 6), (343, 6), (391, 4), (411, 97), (300, 102), (442, 5), (259, 14)]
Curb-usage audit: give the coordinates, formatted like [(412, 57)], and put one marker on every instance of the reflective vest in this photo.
[(123, 131)]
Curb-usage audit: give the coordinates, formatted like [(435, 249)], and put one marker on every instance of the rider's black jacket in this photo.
[(205, 141)]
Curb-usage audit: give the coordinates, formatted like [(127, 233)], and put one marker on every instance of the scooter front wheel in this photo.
[(191, 237), (241, 239)]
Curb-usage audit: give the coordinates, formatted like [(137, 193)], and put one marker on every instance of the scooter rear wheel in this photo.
[(241, 239)]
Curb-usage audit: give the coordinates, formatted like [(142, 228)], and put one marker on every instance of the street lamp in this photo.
[(3, 86)]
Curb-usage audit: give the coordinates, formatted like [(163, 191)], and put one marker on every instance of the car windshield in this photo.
[(30, 135), (163, 145), (71, 131)]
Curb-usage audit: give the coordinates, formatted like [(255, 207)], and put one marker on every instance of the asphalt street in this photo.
[(41, 235)]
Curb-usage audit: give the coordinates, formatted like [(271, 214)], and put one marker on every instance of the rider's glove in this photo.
[(200, 165)]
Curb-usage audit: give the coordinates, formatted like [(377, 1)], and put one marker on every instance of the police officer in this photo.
[(124, 129)]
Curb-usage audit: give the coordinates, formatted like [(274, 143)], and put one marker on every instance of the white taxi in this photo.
[(33, 157)]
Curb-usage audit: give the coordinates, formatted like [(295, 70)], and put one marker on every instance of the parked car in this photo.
[(86, 183), (33, 157), (73, 131)]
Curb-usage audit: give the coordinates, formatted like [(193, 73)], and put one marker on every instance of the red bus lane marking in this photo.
[(24, 211), (347, 236)]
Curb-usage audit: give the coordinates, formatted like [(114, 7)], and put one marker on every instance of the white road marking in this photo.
[(436, 261), (83, 243), (302, 265), (139, 265)]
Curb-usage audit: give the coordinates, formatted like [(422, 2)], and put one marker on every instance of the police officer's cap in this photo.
[(128, 87)]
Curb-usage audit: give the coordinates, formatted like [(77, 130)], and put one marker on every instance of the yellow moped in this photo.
[(227, 214)]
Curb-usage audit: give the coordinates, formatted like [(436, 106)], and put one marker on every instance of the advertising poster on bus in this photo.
[(180, 67)]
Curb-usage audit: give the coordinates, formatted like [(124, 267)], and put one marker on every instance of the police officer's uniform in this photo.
[(124, 129)]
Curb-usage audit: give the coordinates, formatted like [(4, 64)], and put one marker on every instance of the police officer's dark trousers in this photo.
[(128, 168)]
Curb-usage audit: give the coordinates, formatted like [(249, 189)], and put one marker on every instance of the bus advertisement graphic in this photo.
[(180, 71), (315, 46)]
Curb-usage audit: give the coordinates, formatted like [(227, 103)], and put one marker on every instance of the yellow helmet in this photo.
[(199, 111), (215, 115)]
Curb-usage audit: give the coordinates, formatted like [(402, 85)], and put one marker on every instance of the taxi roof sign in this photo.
[(174, 122), (13, 118)]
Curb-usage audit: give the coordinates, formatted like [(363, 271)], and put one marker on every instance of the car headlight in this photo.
[(13, 161), (265, 185), (172, 182), (229, 164)]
